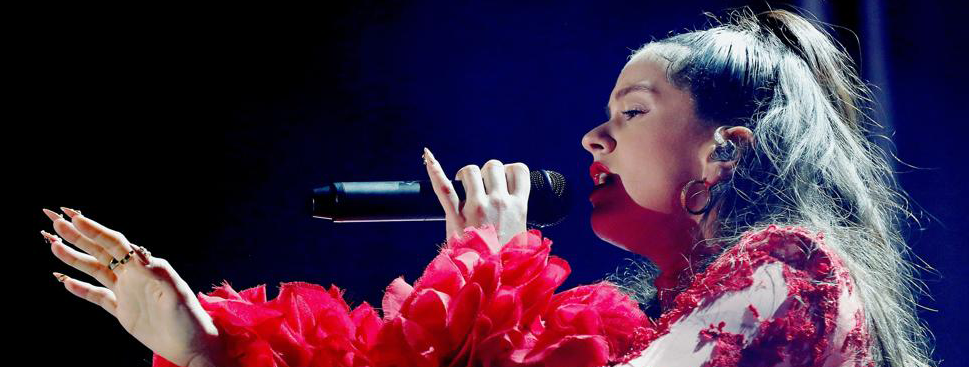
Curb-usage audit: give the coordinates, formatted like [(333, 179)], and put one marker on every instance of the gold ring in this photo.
[(115, 262)]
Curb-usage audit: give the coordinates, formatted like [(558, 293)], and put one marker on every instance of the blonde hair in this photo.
[(811, 164)]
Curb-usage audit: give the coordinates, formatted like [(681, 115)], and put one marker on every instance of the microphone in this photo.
[(549, 200)]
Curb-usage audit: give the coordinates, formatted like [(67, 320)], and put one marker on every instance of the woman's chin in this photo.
[(617, 219), (608, 224), (613, 214)]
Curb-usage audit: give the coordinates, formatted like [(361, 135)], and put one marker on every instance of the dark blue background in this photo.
[(200, 133)]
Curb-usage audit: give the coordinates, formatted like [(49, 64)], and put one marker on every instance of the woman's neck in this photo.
[(676, 276), (678, 263)]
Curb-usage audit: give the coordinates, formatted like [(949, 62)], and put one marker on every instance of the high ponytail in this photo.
[(831, 65), (812, 164)]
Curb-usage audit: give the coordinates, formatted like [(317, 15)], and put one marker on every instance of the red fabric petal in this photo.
[(578, 351), (442, 274), (394, 296), (429, 309), (464, 308), (483, 240), (255, 294), (367, 323)]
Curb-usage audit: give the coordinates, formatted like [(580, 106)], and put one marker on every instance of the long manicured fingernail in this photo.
[(52, 215), (48, 237), (71, 212), (60, 277), (428, 156)]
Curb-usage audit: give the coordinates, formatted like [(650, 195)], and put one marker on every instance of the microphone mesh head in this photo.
[(549, 199)]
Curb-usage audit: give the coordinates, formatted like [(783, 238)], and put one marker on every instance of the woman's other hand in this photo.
[(145, 294), (496, 194)]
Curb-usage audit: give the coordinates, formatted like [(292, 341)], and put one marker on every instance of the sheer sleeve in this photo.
[(778, 298), (477, 303)]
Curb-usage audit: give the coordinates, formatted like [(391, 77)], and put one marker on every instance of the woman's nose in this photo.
[(598, 140)]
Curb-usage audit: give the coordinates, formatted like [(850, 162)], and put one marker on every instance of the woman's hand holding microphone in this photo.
[(496, 194)]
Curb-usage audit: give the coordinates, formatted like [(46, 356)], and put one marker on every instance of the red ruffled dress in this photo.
[(780, 297)]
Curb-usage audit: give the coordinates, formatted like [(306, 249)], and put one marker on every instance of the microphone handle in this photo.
[(380, 201)]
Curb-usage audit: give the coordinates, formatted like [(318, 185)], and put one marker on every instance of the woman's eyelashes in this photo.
[(632, 113)]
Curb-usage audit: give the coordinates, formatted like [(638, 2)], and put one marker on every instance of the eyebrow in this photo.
[(638, 87)]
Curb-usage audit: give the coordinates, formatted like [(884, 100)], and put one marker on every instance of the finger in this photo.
[(470, 177), (72, 235), (110, 240), (442, 186), (519, 179), (143, 255), (493, 175), (97, 295), (81, 261)]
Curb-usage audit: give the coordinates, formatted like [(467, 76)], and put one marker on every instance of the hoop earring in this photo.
[(686, 188)]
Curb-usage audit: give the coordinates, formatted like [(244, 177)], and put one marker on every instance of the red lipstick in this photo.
[(597, 168)]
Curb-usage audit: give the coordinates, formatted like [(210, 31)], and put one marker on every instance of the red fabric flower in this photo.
[(306, 325), (478, 303)]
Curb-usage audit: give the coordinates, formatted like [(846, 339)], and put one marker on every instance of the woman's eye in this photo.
[(632, 113)]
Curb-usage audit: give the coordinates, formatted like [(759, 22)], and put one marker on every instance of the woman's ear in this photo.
[(724, 150)]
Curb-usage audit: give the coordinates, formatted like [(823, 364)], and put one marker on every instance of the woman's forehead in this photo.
[(646, 74)]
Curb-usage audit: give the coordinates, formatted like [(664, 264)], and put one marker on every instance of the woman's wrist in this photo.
[(201, 360), (214, 356)]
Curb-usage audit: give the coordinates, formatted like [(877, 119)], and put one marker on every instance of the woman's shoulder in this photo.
[(800, 254), (821, 315), (780, 295), (799, 248)]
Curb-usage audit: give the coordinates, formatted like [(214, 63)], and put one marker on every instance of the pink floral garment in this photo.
[(779, 297)]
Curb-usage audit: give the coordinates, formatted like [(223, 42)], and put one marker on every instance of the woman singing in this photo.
[(735, 159)]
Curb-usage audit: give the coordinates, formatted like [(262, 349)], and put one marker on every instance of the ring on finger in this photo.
[(116, 263)]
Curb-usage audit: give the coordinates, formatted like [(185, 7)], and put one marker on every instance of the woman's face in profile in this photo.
[(652, 144)]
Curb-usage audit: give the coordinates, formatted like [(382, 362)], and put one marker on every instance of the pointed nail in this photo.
[(48, 237), (429, 156), (52, 215), (70, 212), (60, 277)]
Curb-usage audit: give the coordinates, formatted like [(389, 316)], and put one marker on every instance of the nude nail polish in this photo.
[(428, 156), (70, 212), (60, 277), (52, 215)]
